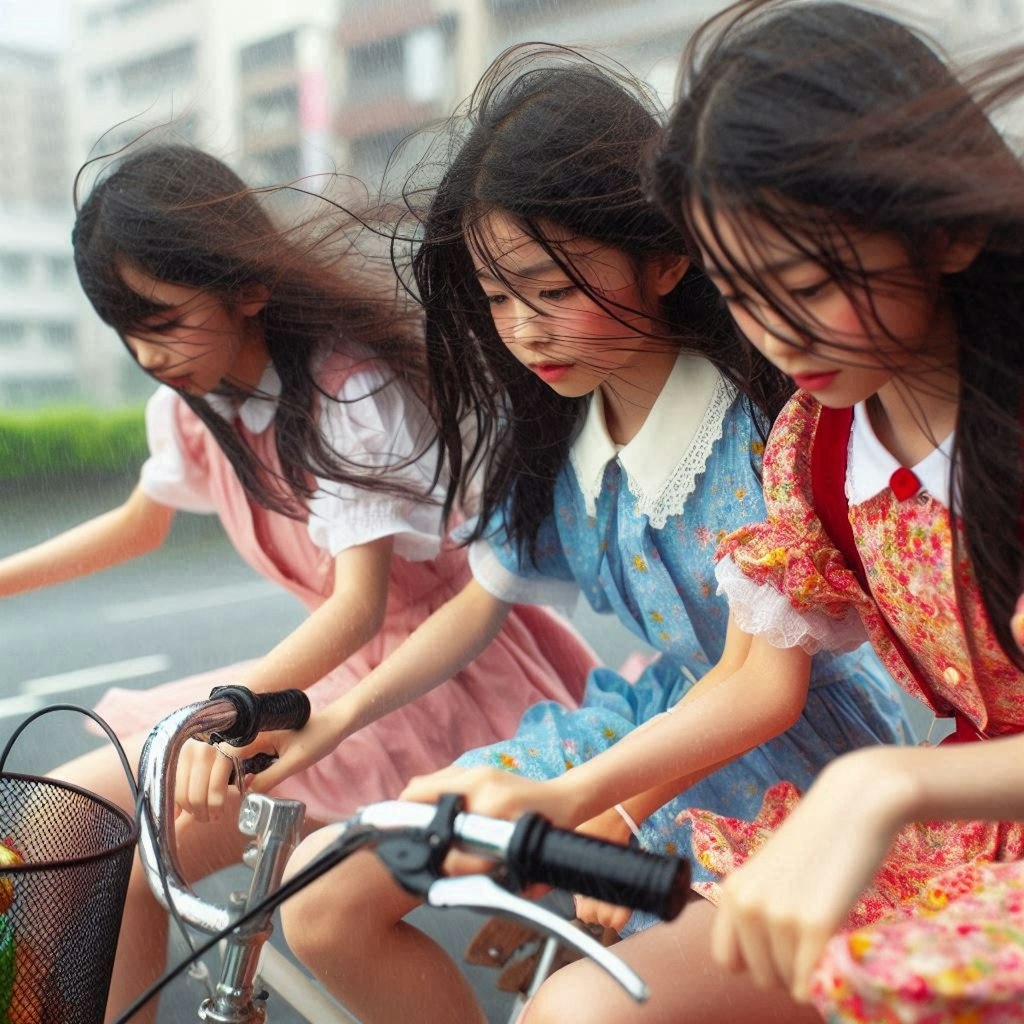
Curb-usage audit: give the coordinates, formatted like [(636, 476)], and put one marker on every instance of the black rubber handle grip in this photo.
[(538, 852), (260, 712)]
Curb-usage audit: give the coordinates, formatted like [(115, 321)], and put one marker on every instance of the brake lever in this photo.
[(478, 892)]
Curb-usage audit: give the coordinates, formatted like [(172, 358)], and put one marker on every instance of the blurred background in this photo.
[(280, 90)]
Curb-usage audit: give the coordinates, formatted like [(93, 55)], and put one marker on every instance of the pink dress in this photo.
[(535, 657), (940, 934)]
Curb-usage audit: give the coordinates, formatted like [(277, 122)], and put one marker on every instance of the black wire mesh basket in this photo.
[(65, 858)]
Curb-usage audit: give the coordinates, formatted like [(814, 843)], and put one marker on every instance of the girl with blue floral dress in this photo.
[(634, 530), (572, 337)]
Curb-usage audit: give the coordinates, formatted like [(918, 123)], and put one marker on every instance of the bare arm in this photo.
[(737, 646), (443, 645), (961, 781), (726, 714), (138, 526), (731, 711), (347, 620), (854, 810)]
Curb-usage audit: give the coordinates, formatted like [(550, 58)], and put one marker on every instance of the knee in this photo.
[(560, 1001), (329, 919), (102, 773)]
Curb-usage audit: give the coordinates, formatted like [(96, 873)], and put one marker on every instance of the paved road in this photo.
[(189, 607)]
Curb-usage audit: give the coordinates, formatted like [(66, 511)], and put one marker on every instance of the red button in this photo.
[(904, 483)]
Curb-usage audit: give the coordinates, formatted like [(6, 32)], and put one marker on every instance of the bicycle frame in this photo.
[(275, 826)]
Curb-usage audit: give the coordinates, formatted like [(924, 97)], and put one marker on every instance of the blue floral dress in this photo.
[(635, 530)]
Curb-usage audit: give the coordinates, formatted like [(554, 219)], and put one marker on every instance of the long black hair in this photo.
[(822, 121), (184, 217), (556, 140)]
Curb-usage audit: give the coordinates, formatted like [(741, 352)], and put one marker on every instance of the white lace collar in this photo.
[(670, 450), (257, 411), (872, 465)]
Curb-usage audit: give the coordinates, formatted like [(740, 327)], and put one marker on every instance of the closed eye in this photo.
[(811, 291), (161, 326), (554, 294)]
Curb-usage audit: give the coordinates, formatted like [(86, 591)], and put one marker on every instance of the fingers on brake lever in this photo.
[(250, 766)]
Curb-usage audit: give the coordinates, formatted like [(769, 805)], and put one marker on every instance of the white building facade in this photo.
[(286, 90), (38, 304)]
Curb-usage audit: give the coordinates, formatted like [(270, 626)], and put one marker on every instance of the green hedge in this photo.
[(70, 442)]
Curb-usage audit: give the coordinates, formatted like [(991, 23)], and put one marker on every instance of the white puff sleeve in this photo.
[(376, 423), (169, 476), (760, 609)]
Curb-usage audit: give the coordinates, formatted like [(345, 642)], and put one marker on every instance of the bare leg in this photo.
[(347, 929), (687, 987), (203, 849)]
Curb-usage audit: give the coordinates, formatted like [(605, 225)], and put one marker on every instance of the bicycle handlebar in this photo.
[(531, 849), (211, 719), (260, 712), (536, 851)]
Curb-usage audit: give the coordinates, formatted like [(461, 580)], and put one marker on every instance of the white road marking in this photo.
[(176, 604), (23, 705), (98, 675)]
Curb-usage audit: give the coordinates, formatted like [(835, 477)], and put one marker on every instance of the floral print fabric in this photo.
[(940, 934), (660, 584)]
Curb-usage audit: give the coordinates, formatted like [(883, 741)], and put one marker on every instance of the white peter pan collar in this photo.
[(257, 411), (668, 453), (871, 464)]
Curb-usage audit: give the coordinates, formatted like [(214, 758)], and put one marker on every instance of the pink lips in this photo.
[(814, 381), (551, 372)]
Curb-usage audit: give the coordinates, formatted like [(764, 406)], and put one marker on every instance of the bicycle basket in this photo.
[(63, 881)]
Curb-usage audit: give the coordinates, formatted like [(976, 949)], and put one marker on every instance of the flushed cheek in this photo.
[(598, 325), (847, 330), (585, 328), (895, 323)]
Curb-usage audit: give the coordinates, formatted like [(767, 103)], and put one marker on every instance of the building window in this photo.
[(14, 267), (276, 52), (272, 112), (58, 334), (11, 332), (377, 68), (59, 269), (112, 14), (157, 71), (369, 154), (275, 166)]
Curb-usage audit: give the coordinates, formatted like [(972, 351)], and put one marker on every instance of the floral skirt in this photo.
[(939, 936), (959, 962)]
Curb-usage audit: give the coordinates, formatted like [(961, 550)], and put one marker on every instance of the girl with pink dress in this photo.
[(863, 219), (290, 407)]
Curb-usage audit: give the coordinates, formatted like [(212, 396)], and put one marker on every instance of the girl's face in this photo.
[(197, 340), (844, 341), (575, 339)]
